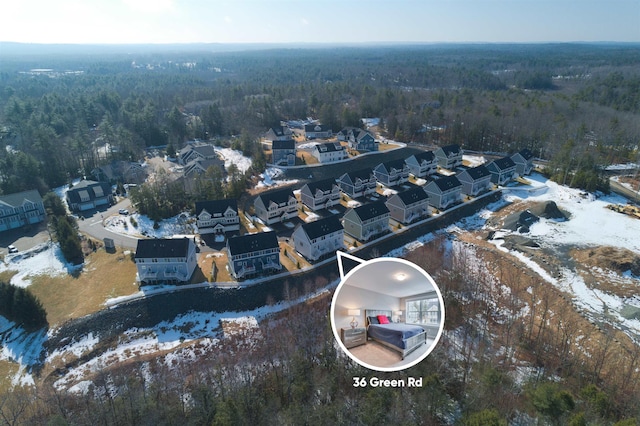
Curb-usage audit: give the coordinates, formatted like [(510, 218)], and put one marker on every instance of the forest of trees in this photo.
[(489, 98), (20, 306)]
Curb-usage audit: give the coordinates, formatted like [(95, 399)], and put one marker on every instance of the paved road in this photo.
[(92, 226), (624, 191)]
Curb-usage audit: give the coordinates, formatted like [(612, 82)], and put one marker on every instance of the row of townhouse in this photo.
[(21, 209)]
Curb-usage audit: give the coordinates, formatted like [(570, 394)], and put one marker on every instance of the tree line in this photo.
[(17, 304)]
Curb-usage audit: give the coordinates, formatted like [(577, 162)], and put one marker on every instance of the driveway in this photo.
[(92, 225)]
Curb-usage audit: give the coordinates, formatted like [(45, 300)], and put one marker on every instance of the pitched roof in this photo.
[(280, 130), (162, 247), (312, 128), (18, 198), (371, 210), (290, 144), (216, 206), (427, 156), (322, 185), (252, 242), (89, 186), (394, 164), (504, 163), (526, 154), (446, 183), (320, 227), (280, 196), (412, 195), (329, 147), (478, 172), (453, 149), (204, 150), (362, 174)]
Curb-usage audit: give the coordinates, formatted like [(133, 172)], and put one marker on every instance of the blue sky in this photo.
[(284, 21)]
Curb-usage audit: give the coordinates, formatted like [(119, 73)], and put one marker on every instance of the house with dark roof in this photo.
[(329, 152), (502, 170), (199, 166), (475, 180), (197, 150), (316, 239), (317, 131), (217, 216), (444, 192), (121, 171), (283, 152), (20, 209), (361, 140), (276, 206), (409, 206), (279, 133), (358, 183), (253, 254), (89, 194), (392, 173), (367, 221), (320, 194), (449, 156), (165, 260), (422, 164), (524, 161)]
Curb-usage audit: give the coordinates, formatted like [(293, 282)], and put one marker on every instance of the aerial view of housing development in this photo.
[(367, 215)]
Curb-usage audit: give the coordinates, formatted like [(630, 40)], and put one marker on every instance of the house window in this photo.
[(424, 311)]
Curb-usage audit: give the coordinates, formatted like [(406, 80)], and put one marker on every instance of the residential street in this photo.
[(92, 226)]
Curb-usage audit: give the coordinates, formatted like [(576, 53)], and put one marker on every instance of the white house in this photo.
[(217, 216), (329, 152), (443, 192), (283, 152), (170, 261), (475, 180), (316, 239), (317, 131), (276, 206), (409, 206), (321, 194), (367, 221), (422, 164)]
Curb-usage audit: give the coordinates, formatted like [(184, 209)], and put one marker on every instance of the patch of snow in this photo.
[(177, 225), (311, 217), (269, 178), (231, 156), (474, 160), (354, 203), (44, 259)]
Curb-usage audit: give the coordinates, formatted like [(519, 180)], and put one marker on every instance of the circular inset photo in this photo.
[(387, 314)]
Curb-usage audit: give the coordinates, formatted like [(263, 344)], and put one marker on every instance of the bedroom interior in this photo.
[(399, 314)]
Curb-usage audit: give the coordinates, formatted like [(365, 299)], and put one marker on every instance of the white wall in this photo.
[(351, 297)]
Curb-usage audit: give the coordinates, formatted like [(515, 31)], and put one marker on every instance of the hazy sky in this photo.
[(233, 21)]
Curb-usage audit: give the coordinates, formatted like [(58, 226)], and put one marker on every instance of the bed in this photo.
[(401, 337)]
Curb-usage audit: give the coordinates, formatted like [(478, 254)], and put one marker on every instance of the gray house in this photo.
[(358, 183), (316, 239), (422, 164), (443, 192), (502, 170), (89, 194), (367, 221), (449, 156), (253, 254), (321, 194), (283, 152), (475, 180), (392, 173), (165, 260), (276, 206), (361, 140), (195, 151), (524, 162), (317, 131), (409, 206), (20, 209), (279, 133)]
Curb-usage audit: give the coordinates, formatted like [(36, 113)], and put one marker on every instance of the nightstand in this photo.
[(353, 336)]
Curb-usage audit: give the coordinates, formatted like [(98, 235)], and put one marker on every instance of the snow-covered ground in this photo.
[(44, 259), (231, 156), (474, 160), (270, 178), (177, 225)]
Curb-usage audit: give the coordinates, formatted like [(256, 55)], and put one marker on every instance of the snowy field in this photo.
[(44, 259), (473, 160), (270, 178), (231, 156), (177, 225)]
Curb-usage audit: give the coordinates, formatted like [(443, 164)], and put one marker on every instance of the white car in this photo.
[(12, 249), (123, 211)]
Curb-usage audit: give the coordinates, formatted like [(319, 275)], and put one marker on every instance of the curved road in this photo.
[(92, 226)]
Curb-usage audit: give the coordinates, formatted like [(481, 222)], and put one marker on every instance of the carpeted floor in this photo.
[(377, 355)]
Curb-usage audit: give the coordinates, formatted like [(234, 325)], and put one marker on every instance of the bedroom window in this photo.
[(423, 311)]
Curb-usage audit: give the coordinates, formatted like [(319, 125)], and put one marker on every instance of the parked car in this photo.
[(12, 249), (123, 211)]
